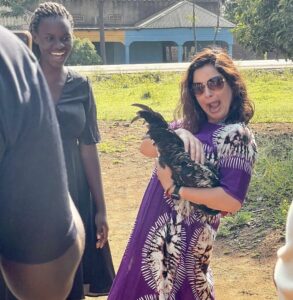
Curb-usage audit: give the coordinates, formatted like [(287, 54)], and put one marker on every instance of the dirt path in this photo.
[(242, 277), (237, 275)]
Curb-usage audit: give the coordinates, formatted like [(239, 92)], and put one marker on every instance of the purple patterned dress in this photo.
[(169, 251)]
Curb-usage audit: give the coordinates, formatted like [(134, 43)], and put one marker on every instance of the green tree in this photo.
[(83, 53), (263, 25), (284, 33), (17, 7)]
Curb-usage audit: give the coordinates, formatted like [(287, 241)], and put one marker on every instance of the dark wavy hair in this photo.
[(188, 109), (47, 10)]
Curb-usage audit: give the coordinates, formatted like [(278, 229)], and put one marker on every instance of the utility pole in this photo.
[(218, 23), (102, 31), (193, 27)]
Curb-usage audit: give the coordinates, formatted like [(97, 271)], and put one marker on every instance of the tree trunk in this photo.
[(194, 28), (102, 31), (218, 23)]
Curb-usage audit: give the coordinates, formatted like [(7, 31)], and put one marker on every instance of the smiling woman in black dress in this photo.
[(52, 30)]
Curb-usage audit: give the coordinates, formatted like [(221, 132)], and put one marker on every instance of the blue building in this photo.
[(171, 35)]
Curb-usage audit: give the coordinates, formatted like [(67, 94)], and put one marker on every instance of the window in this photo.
[(77, 19), (115, 18)]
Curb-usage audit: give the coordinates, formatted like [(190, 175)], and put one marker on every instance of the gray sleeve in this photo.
[(36, 223)]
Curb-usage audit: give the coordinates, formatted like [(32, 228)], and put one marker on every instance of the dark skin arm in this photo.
[(47, 281), (91, 163)]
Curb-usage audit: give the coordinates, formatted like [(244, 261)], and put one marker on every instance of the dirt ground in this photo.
[(239, 274)]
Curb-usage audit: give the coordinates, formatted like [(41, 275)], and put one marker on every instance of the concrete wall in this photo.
[(146, 52), (178, 36), (122, 12), (115, 53), (149, 45), (211, 5), (116, 12), (94, 35)]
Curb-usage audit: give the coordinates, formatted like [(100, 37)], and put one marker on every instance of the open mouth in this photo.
[(214, 106)]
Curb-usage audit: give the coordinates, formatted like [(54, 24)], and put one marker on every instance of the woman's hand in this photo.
[(191, 145), (164, 175), (102, 230)]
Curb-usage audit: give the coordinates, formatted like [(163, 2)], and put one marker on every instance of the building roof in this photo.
[(180, 15)]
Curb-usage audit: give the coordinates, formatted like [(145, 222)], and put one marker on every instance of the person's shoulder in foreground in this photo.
[(283, 275), (41, 236)]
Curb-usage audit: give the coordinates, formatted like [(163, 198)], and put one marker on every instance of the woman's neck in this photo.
[(53, 74), (56, 78)]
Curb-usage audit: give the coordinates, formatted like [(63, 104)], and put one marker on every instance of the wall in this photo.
[(115, 53), (116, 12), (211, 5), (146, 52), (122, 12)]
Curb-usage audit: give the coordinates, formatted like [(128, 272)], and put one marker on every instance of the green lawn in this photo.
[(271, 92)]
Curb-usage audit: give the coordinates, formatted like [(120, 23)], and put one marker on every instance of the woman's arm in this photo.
[(46, 281), (148, 148), (191, 145), (91, 163), (215, 198)]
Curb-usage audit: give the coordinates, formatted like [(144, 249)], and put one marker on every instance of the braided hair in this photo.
[(46, 10)]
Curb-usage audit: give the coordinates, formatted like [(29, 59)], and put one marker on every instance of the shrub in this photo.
[(83, 53), (230, 223)]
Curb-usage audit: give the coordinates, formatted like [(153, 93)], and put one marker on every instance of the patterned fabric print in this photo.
[(187, 212), (148, 297), (198, 260), (236, 146), (184, 209), (161, 256), (210, 155)]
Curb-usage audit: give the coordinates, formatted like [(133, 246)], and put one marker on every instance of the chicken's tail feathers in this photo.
[(142, 106), (154, 119), (136, 118)]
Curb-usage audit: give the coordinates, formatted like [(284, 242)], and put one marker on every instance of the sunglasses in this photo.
[(214, 84)]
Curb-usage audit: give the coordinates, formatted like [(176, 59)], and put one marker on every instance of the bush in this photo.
[(230, 223), (83, 53)]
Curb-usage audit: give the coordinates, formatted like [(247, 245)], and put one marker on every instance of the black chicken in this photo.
[(185, 172)]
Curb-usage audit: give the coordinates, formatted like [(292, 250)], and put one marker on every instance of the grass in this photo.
[(271, 186), (229, 223), (271, 92), (270, 192), (114, 94), (111, 147)]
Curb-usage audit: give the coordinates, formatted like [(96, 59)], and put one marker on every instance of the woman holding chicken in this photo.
[(169, 251)]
